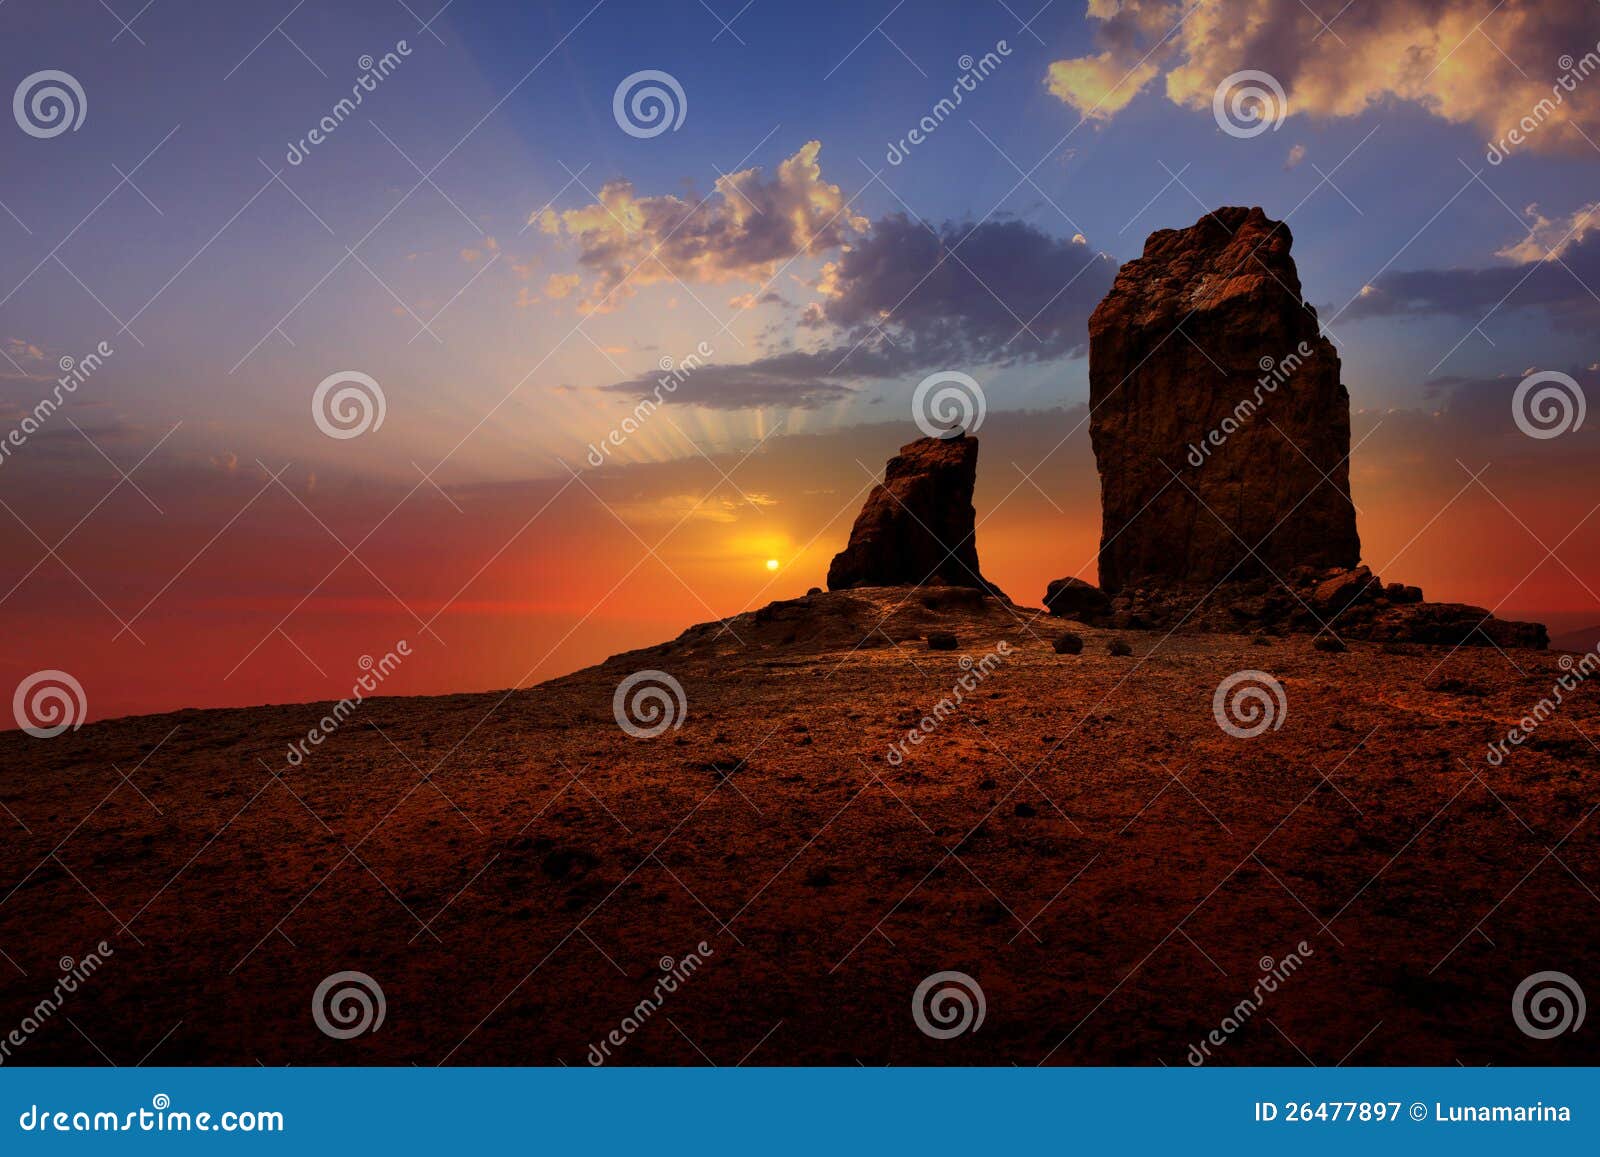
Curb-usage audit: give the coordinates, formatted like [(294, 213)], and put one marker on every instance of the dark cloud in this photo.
[(908, 298), (1560, 287)]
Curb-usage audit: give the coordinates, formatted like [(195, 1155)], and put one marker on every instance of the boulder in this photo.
[(1075, 599), (1205, 362), (918, 525), (1338, 591)]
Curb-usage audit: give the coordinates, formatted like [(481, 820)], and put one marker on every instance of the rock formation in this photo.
[(1218, 420), (918, 524), (1222, 435)]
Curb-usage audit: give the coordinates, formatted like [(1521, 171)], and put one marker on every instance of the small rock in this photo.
[(941, 641), (1328, 643), (1026, 810), (814, 591), (1068, 644), (1119, 647), (1261, 641)]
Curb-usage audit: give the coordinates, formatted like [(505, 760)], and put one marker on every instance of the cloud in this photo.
[(1099, 86), (1547, 239), (907, 298), (490, 245), (23, 350), (744, 230), (677, 508), (1448, 56), (1297, 153), (560, 285), (1551, 269)]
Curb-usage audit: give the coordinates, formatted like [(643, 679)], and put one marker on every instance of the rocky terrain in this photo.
[(1242, 803), (1078, 833)]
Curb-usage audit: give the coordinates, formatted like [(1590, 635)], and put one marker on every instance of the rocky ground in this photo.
[(1078, 834)]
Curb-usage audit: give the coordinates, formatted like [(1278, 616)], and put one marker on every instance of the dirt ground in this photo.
[(1079, 835)]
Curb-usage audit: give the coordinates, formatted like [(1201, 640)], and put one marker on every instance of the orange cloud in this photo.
[(1451, 57), (744, 230)]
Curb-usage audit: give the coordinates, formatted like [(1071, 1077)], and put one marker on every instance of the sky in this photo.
[(504, 249)]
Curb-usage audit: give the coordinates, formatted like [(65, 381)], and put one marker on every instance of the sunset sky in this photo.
[(483, 239)]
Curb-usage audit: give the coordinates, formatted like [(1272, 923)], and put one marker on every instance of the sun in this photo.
[(772, 564)]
